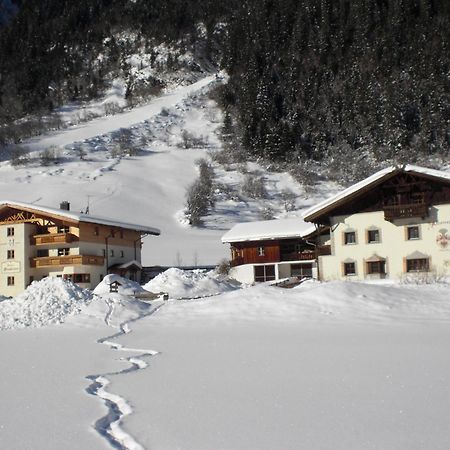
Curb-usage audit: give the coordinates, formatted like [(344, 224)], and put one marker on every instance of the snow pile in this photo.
[(190, 283), (126, 286), (46, 301)]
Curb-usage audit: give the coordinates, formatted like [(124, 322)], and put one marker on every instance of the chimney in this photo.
[(65, 205)]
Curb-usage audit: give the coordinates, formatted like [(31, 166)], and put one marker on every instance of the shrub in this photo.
[(19, 156), (289, 199), (189, 140), (253, 187), (200, 194), (49, 156), (223, 268)]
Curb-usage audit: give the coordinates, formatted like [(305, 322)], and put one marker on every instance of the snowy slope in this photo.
[(149, 187)]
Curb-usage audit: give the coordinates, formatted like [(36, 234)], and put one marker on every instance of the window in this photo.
[(350, 237), (10, 281), (104, 253), (413, 233), (373, 236), (264, 273), (63, 229), (10, 231), (63, 251), (261, 251), (111, 252), (301, 270), (82, 278), (417, 265), (10, 254), (122, 254), (350, 268), (42, 253), (96, 231), (78, 277), (113, 233), (374, 267)]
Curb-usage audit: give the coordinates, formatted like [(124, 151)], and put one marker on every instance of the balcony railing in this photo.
[(236, 262), (53, 238), (68, 260), (301, 256), (404, 211), (306, 255)]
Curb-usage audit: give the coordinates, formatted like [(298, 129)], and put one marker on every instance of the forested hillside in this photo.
[(56, 51), (345, 80), (336, 81)]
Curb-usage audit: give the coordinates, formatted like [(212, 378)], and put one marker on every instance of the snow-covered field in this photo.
[(335, 365)]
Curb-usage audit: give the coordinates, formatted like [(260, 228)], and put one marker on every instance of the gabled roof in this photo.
[(369, 182), (77, 217), (268, 230)]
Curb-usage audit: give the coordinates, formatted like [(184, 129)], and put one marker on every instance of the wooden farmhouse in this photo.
[(393, 224), (274, 249), (36, 242)]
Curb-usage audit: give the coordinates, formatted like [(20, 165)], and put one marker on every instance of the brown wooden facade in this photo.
[(400, 195), (274, 251)]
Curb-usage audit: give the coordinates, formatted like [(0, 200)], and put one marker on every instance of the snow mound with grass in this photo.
[(46, 301), (126, 286), (190, 283)]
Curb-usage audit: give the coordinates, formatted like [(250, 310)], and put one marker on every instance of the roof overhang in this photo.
[(323, 208), (76, 218), (269, 230)]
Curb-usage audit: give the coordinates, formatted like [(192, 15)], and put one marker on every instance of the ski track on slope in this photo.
[(109, 426)]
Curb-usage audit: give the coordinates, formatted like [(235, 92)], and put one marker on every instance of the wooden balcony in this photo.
[(237, 262), (68, 260), (54, 238), (404, 211), (301, 256), (306, 255)]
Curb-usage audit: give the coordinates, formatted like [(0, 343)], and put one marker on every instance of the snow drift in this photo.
[(190, 283), (46, 301)]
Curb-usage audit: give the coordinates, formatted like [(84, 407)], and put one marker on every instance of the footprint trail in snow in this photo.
[(109, 426)]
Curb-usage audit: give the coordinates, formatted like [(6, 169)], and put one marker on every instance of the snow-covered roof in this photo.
[(268, 229), (372, 180), (79, 217)]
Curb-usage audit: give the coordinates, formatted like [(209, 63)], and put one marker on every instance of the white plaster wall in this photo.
[(243, 274), (393, 244), (19, 266)]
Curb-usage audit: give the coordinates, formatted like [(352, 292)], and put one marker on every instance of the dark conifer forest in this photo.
[(316, 80)]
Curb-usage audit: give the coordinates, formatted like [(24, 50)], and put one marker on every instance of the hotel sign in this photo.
[(11, 267)]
